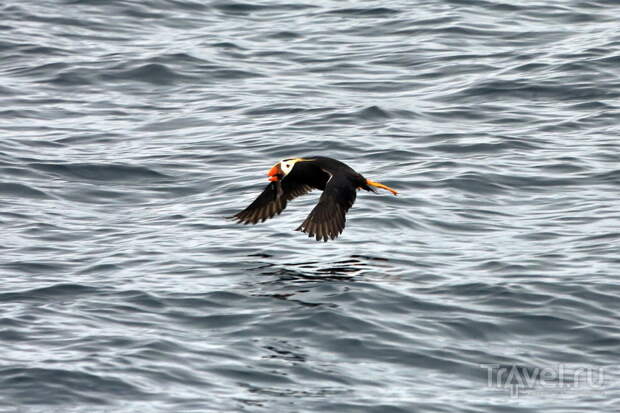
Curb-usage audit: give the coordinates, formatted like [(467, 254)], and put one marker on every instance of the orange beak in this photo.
[(274, 173)]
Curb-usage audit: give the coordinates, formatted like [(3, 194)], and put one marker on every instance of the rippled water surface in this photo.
[(131, 129)]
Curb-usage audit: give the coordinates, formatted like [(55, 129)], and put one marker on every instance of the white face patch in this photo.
[(286, 165)]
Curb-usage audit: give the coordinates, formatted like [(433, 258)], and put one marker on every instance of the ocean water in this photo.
[(132, 129)]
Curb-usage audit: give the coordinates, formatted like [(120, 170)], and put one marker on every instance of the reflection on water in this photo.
[(315, 270), (297, 281)]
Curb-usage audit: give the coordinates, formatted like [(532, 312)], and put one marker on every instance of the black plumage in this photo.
[(339, 184)]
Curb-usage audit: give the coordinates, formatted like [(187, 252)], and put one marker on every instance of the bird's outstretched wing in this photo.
[(327, 219), (272, 201)]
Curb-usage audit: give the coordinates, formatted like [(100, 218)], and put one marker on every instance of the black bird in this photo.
[(294, 177)]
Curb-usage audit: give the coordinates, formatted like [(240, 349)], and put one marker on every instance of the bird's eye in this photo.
[(287, 165)]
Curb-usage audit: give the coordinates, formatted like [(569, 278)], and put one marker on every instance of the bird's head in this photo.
[(282, 168)]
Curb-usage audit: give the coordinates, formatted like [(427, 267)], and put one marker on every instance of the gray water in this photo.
[(131, 129)]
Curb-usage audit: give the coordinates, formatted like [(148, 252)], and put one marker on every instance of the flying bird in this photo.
[(294, 177)]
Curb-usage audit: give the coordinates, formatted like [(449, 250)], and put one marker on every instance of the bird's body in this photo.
[(294, 177)]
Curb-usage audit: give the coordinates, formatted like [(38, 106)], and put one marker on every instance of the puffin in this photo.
[(293, 177)]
